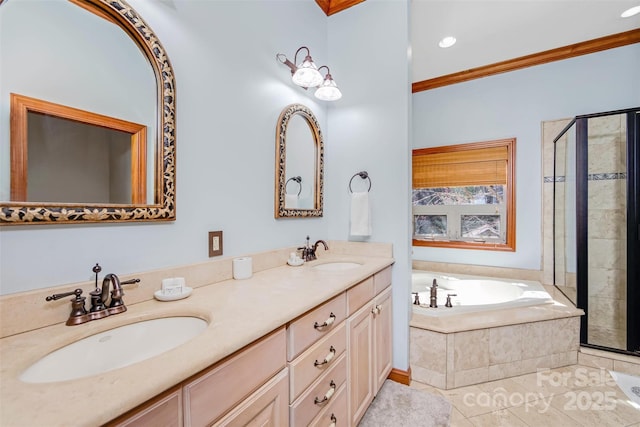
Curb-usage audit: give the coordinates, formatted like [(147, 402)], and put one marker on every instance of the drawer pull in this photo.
[(327, 395), (332, 352), (376, 309), (328, 322), (334, 421)]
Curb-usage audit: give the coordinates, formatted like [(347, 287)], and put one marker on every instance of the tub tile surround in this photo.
[(238, 311), (457, 359), (491, 345)]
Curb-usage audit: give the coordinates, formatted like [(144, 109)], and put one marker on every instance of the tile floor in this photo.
[(572, 396)]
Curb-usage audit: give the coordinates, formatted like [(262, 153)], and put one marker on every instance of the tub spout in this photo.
[(433, 298)]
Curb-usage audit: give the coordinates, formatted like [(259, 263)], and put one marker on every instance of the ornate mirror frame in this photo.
[(281, 148), (164, 207)]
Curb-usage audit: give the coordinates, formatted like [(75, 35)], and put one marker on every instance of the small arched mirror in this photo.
[(90, 94), (299, 164)]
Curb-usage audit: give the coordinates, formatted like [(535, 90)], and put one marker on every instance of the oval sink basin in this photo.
[(336, 266), (113, 349)]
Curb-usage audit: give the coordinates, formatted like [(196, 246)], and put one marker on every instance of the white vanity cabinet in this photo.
[(368, 341)]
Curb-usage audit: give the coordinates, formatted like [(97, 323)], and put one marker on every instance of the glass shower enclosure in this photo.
[(596, 232)]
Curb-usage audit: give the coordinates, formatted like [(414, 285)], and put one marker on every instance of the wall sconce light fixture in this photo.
[(307, 75)]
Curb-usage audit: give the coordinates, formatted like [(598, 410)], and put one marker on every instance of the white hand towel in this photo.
[(291, 201), (360, 214)]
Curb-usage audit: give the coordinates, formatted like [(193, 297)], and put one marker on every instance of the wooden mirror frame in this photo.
[(164, 206), (281, 148), (21, 106)]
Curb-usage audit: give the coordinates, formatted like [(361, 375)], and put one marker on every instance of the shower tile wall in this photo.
[(606, 225), (565, 274), (607, 231)]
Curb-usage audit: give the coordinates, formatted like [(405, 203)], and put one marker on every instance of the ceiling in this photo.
[(490, 31)]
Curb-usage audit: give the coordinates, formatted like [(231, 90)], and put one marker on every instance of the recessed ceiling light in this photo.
[(447, 42), (630, 12)]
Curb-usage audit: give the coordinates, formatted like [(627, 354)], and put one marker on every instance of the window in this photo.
[(464, 196)]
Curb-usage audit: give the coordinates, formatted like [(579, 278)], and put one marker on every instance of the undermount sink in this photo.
[(113, 349), (337, 266)]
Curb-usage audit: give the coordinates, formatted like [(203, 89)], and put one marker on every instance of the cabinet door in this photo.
[(383, 334), (213, 393), (360, 363), (267, 407), (164, 410)]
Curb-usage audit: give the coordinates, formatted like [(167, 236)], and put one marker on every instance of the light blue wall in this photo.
[(514, 105), (230, 91), (369, 130)]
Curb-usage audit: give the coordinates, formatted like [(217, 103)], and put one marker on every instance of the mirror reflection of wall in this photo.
[(60, 52), (300, 155), (78, 163)]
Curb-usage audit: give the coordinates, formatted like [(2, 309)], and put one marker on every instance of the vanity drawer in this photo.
[(304, 369), (335, 411), (305, 408), (359, 295), (381, 280), (307, 329), (213, 393)]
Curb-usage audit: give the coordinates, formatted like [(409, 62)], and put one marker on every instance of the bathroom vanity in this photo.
[(324, 366), (289, 346)]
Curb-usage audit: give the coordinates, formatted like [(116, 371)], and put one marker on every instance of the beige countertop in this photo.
[(238, 312)]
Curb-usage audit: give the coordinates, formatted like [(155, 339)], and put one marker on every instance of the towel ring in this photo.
[(363, 175), (297, 179)]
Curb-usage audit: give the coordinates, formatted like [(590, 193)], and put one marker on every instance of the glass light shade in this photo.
[(307, 74), (328, 91)]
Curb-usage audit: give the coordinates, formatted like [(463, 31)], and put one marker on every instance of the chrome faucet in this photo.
[(433, 297), (309, 251), (99, 297)]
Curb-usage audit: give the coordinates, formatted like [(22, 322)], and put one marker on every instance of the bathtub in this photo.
[(474, 294)]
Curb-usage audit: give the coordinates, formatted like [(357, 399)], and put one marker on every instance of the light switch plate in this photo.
[(215, 243)]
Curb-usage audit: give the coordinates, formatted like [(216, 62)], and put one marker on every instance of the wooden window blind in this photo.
[(479, 166), (475, 164)]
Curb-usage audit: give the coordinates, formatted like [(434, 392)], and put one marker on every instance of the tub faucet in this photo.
[(433, 298), (309, 251)]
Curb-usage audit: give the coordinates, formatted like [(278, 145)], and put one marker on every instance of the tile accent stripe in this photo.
[(592, 177)]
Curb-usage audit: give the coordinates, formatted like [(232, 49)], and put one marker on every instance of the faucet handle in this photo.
[(448, 303), (78, 312), (416, 301), (54, 297)]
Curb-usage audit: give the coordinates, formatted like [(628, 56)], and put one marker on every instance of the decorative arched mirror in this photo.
[(87, 115), (299, 164)]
